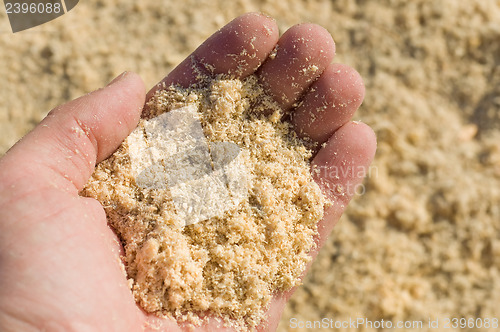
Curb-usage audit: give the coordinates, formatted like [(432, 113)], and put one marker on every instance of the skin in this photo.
[(59, 261)]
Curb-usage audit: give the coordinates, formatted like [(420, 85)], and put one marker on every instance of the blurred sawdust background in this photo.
[(423, 241)]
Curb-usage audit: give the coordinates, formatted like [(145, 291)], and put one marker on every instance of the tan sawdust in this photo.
[(424, 240), (228, 266)]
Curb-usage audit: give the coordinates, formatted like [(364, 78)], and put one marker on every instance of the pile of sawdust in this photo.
[(424, 239), (228, 265)]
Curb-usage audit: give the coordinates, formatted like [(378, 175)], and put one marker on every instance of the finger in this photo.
[(303, 52), (75, 136), (340, 167), (238, 49), (329, 104), (342, 163)]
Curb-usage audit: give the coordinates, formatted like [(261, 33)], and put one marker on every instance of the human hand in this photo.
[(59, 261)]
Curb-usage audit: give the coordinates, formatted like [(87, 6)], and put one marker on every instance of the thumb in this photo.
[(63, 149)]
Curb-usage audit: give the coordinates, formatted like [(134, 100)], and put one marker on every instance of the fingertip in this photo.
[(137, 83), (349, 82), (322, 36), (302, 54), (121, 104), (330, 103), (310, 39), (263, 22), (239, 48), (367, 140), (128, 88), (344, 161), (131, 82), (358, 132), (364, 140), (355, 141)]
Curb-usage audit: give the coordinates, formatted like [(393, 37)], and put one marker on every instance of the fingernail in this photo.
[(118, 78)]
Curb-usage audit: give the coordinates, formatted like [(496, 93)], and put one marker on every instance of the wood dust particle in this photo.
[(227, 266)]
